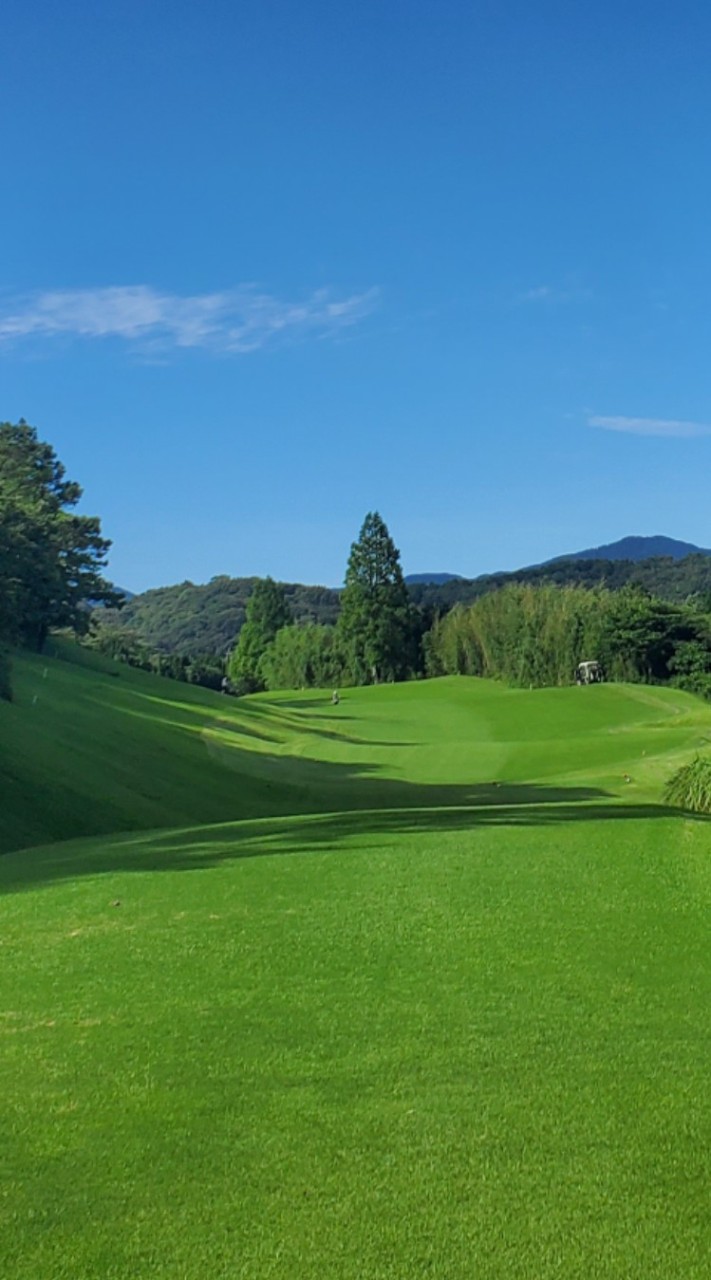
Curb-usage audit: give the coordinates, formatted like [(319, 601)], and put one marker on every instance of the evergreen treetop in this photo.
[(375, 622)]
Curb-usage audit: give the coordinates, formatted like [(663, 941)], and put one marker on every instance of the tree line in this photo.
[(376, 637), (191, 618), (51, 558), (530, 636), (123, 644), (528, 633), (536, 635)]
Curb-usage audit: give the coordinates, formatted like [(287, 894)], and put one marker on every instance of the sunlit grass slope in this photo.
[(417, 986), (91, 747)]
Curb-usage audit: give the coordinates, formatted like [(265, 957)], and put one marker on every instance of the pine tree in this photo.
[(376, 619), (50, 558)]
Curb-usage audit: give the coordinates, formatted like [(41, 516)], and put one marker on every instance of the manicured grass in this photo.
[(408, 1023), (93, 748)]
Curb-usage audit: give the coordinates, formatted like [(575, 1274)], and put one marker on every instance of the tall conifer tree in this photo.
[(376, 619)]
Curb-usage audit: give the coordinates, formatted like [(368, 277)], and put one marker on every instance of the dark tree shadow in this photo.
[(268, 721), (200, 848), (285, 804)]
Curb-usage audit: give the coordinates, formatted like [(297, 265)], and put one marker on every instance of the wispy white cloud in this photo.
[(233, 321), (552, 294), (674, 427), (541, 293)]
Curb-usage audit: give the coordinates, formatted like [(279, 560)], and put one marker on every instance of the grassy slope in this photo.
[(447, 1029), (106, 749)]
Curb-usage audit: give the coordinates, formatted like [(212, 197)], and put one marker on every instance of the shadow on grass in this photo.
[(202, 847), (269, 722)]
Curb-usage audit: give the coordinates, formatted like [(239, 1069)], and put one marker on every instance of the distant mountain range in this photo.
[(436, 578), (633, 548), (636, 549)]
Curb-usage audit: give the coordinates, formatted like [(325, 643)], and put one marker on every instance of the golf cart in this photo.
[(589, 673)]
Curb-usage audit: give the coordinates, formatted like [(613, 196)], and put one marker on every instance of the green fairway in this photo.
[(415, 986)]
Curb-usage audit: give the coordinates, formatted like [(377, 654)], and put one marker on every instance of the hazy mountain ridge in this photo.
[(634, 547), (637, 548), (436, 578)]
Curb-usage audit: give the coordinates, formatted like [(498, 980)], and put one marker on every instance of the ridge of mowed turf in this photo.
[(92, 747)]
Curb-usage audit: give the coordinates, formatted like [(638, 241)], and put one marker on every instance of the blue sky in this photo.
[(268, 266)]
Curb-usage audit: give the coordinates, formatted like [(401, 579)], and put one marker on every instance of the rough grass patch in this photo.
[(690, 787)]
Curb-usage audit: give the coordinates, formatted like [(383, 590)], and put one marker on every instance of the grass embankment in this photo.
[(91, 747), (444, 1013)]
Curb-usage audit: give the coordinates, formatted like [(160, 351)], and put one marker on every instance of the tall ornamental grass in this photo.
[(690, 787)]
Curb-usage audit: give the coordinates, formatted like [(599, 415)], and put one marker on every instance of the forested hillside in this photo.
[(194, 619), (51, 558), (206, 619), (663, 576)]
